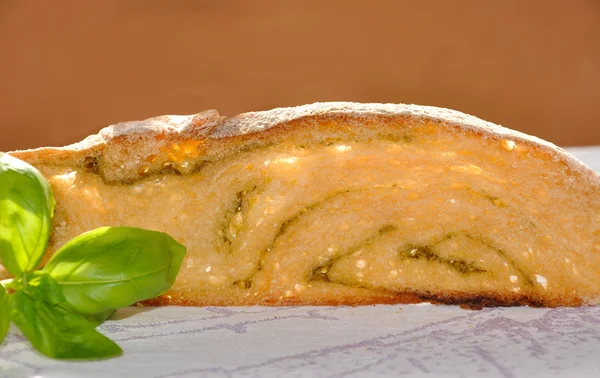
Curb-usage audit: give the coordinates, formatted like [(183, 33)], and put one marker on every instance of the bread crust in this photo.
[(124, 149)]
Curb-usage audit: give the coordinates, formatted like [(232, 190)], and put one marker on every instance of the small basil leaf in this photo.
[(58, 333), (42, 286), (110, 268), (4, 313), (26, 210)]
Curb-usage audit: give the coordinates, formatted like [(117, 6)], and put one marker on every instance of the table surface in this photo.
[(412, 340)]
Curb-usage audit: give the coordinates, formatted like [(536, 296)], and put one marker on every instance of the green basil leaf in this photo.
[(110, 268), (58, 333), (26, 210), (4, 313)]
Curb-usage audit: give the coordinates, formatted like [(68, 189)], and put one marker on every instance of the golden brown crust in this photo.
[(129, 152), (125, 147)]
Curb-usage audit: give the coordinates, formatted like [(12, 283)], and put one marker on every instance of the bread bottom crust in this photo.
[(462, 299)]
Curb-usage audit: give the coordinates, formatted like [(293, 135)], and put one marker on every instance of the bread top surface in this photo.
[(219, 136)]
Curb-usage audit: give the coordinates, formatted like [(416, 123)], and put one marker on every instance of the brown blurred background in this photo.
[(68, 68)]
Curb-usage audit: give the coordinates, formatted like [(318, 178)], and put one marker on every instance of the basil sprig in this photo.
[(4, 313), (59, 307)]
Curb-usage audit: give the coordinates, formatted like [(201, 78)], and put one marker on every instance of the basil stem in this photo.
[(110, 268), (26, 209)]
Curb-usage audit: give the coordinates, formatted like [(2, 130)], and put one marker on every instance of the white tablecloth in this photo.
[(413, 340)]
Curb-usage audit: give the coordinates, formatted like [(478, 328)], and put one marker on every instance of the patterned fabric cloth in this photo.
[(411, 340)]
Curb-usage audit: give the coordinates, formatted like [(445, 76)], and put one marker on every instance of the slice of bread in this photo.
[(341, 203)]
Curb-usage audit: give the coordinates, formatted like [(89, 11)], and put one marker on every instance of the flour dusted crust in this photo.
[(341, 203)]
